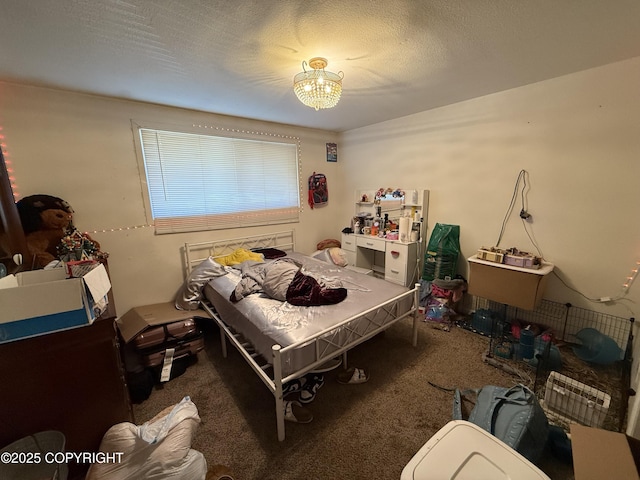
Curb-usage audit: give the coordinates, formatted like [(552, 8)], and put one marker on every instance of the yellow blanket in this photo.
[(238, 256)]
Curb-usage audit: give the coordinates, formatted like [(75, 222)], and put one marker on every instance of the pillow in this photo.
[(238, 256), (190, 294), (328, 243), (338, 256), (333, 255), (322, 255)]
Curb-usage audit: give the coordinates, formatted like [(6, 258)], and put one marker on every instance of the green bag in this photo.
[(443, 249)]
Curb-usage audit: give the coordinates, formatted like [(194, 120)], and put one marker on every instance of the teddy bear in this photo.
[(46, 221)]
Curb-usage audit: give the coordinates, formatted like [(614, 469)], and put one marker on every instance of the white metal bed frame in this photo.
[(328, 344)]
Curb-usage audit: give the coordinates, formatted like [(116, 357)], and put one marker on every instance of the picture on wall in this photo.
[(332, 152)]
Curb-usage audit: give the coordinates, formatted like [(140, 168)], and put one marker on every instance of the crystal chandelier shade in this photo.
[(318, 88)]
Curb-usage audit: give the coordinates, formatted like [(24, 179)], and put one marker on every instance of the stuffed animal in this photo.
[(46, 221)]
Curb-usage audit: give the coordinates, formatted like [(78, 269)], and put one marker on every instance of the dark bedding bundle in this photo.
[(283, 280), (304, 290)]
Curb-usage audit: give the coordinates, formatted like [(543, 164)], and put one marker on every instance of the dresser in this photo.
[(71, 381)]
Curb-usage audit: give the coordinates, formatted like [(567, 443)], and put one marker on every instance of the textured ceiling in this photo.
[(239, 57)]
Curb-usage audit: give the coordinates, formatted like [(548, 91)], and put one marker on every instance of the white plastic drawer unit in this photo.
[(396, 263), (372, 243)]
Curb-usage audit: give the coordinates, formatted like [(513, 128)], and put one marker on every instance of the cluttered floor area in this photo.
[(580, 359), (385, 420)]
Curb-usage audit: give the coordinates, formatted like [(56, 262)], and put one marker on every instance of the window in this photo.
[(206, 182)]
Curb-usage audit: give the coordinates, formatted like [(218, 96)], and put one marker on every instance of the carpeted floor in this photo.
[(366, 431)]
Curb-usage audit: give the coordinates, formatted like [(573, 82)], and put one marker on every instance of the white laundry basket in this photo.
[(27, 451)]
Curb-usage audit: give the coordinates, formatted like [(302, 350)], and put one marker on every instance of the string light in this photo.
[(150, 225), (7, 162), (631, 278), (121, 229), (247, 132)]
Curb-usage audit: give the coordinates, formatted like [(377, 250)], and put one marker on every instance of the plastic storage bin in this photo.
[(462, 450)]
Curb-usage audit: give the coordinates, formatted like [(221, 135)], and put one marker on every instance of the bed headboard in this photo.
[(195, 253)]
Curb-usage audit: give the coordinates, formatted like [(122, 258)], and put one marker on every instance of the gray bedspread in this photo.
[(265, 321)]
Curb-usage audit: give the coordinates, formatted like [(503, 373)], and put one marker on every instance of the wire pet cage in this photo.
[(581, 358)]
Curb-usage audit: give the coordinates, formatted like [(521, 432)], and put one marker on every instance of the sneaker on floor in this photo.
[(293, 386), (311, 387)]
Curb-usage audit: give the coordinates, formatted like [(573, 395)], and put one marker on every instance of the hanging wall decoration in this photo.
[(318, 191), (332, 152)]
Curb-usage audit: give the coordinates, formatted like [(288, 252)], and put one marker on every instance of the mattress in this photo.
[(264, 321)]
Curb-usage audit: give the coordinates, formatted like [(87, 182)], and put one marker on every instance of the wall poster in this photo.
[(332, 152)]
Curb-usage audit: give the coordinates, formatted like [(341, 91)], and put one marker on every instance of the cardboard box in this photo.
[(516, 286), (139, 319), (599, 454), (43, 301)]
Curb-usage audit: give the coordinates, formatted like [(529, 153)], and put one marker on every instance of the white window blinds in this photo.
[(203, 182)]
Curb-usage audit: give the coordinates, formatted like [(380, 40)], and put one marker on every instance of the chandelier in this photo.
[(318, 88)]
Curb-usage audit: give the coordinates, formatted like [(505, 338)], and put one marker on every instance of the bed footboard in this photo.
[(328, 344)]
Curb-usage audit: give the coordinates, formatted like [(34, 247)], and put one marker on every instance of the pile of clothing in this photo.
[(284, 280)]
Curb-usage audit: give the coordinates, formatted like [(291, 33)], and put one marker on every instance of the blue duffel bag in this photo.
[(513, 415)]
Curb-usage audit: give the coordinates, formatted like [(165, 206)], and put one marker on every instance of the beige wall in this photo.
[(80, 148), (578, 136)]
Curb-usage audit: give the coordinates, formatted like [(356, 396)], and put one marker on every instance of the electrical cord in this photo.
[(523, 203), (524, 207), (511, 205), (533, 242), (524, 215), (571, 288), (618, 298)]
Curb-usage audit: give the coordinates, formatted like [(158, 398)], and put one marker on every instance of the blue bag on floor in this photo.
[(513, 415)]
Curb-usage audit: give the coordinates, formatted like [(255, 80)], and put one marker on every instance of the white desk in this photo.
[(392, 260)]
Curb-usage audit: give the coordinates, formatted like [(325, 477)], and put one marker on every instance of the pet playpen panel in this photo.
[(600, 397), (575, 401)]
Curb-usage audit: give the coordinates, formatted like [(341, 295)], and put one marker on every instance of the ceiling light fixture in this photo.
[(318, 88)]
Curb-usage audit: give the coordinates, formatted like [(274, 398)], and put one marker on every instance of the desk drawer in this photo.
[(395, 263), (348, 242), (372, 243)]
